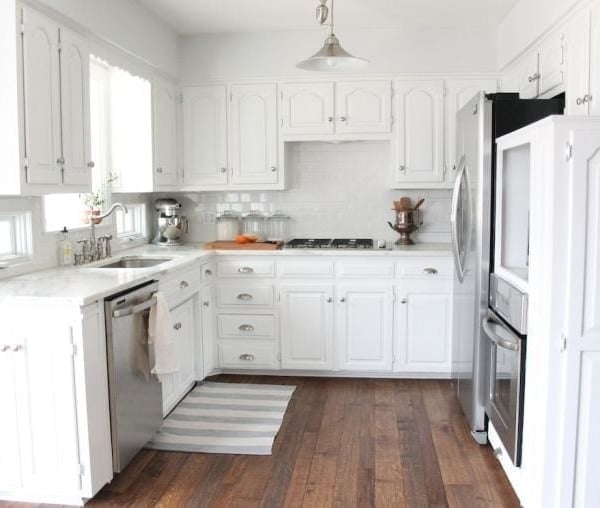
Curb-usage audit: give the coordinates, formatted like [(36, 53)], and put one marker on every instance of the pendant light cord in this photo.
[(331, 25)]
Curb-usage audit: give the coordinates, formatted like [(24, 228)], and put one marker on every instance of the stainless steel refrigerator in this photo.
[(478, 124)]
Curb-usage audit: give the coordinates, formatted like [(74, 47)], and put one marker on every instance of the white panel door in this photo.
[(307, 326), (364, 327), (551, 63), (424, 329), (46, 403), (307, 108), (529, 76), (418, 131), (458, 93), (594, 89), (75, 109), (577, 49), (252, 118), (164, 126), (363, 106), (582, 396), (41, 99), (204, 135)]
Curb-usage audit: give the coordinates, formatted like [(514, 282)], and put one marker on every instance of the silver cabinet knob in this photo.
[(245, 297), (206, 304), (329, 300), (587, 98), (342, 299), (177, 326), (159, 170), (184, 284), (246, 328), (273, 168), (404, 300), (579, 101), (342, 118), (430, 271), (4, 348), (60, 160), (401, 168), (16, 348), (247, 357), (208, 272), (533, 77), (245, 269), (223, 170), (330, 119), (91, 164)]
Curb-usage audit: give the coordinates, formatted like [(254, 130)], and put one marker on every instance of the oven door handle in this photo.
[(512, 345)]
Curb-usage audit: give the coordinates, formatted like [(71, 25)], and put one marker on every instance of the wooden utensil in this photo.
[(403, 205), (419, 203)]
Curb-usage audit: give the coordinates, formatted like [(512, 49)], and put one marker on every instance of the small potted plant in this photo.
[(93, 201)]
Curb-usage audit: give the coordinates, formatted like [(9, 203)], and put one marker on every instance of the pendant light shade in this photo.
[(331, 56)]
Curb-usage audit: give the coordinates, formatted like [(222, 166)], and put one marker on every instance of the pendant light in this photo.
[(331, 56)]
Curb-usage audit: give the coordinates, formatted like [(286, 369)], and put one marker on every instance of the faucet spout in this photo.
[(121, 206)]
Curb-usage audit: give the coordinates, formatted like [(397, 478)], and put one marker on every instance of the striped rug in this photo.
[(225, 418)]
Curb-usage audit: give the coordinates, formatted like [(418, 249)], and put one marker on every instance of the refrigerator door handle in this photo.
[(454, 219), (511, 343)]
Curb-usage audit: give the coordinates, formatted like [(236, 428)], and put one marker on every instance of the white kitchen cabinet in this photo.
[(458, 93), (307, 326), (528, 75), (551, 62), (252, 121), (340, 107), (205, 136), (164, 126), (54, 396), (54, 103), (175, 386), (364, 326), (418, 140), (423, 326)]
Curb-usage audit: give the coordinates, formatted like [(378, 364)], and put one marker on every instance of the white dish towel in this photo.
[(160, 335)]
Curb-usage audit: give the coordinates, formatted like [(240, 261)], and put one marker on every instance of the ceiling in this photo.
[(190, 17)]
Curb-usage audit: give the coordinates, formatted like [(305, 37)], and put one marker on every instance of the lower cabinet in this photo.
[(423, 326), (176, 385), (208, 363)]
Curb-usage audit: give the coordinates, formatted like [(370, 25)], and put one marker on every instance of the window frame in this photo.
[(21, 238)]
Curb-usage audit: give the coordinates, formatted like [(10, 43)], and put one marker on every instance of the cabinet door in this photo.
[(307, 108), (594, 89), (253, 134), (423, 314), (164, 125), (529, 76), (418, 136), (208, 331), (458, 93), (205, 135), (307, 326), (363, 106), (75, 109), (364, 327), (577, 45), (46, 402), (551, 62), (41, 99)]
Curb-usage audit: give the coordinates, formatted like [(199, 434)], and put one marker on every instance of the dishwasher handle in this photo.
[(134, 309)]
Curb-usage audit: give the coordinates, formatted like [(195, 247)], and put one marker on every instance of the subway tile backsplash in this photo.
[(334, 189)]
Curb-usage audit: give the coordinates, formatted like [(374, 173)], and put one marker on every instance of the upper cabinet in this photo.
[(583, 65), (164, 129), (54, 108), (230, 137), (418, 137), (341, 108)]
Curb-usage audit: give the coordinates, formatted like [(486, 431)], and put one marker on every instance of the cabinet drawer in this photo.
[(208, 271), (249, 268), (305, 268), (235, 326), (424, 267), (247, 355), (181, 285), (373, 268), (245, 296)]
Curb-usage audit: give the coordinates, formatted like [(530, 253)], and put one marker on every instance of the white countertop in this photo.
[(82, 285)]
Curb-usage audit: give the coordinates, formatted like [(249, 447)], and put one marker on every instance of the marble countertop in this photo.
[(82, 285)]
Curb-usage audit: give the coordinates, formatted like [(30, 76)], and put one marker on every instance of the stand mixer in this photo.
[(170, 225)]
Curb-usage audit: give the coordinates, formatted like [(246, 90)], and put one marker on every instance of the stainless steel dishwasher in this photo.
[(134, 393)]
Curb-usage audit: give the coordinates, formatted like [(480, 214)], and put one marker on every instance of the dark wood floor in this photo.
[(343, 443)]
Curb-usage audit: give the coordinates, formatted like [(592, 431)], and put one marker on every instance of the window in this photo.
[(131, 225), (15, 238)]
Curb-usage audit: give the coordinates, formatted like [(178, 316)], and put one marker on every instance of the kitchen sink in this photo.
[(135, 262)]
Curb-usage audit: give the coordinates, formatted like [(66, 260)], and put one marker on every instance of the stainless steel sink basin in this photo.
[(135, 262)]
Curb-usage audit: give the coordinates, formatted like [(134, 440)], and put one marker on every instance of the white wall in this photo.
[(339, 190), (244, 55), (126, 24), (526, 22)]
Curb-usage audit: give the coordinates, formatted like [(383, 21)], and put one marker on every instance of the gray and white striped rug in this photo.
[(225, 418)]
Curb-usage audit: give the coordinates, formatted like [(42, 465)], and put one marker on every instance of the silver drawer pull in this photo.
[(246, 269), (244, 296), (247, 357), (430, 271), (184, 284), (177, 326), (246, 328)]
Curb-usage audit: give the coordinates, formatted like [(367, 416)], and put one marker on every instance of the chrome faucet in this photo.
[(103, 216)]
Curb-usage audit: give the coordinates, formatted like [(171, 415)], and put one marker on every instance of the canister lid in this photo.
[(255, 214), (279, 215), (229, 215)]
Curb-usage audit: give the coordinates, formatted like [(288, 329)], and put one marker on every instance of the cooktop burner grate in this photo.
[(328, 243)]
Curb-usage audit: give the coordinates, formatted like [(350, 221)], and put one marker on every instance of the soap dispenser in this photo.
[(65, 250)]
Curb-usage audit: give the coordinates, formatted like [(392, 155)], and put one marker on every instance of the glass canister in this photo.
[(255, 223), (228, 225), (278, 227)]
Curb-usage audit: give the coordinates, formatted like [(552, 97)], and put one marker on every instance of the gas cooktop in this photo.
[(328, 243)]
